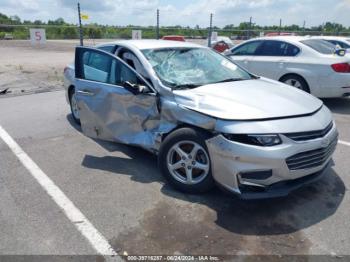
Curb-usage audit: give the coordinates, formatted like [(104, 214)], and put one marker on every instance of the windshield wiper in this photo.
[(231, 80), (184, 86)]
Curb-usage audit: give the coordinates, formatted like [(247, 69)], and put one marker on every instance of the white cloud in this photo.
[(88, 5), (27, 6)]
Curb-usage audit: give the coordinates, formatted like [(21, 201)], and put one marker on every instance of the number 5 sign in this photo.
[(37, 36)]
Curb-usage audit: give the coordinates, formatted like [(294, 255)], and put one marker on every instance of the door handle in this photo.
[(86, 92)]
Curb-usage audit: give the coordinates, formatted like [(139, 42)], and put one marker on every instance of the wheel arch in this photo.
[(70, 90), (186, 125), (295, 74)]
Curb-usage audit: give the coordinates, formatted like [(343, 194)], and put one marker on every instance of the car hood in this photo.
[(248, 100)]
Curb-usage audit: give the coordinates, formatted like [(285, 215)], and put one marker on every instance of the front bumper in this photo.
[(237, 166), (283, 188)]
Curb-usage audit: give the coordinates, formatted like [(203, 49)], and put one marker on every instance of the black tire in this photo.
[(192, 135), (296, 81), (71, 93)]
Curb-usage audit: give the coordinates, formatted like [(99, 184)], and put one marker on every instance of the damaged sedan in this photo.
[(208, 120)]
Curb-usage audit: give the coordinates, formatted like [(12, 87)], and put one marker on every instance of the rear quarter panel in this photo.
[(316, 72), (68, 79)]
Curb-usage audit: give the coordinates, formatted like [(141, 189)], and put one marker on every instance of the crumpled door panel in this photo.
[(115, 114)]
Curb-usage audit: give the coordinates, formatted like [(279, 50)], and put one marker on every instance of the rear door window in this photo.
[(277, 48)]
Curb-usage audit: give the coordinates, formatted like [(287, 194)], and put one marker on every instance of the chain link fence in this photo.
[(116, 32)]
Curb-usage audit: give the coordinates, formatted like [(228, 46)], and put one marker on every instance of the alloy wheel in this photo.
[(74, 105), (295, 83), (188, 162)]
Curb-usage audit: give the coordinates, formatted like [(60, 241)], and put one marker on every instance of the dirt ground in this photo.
[(28, 69)]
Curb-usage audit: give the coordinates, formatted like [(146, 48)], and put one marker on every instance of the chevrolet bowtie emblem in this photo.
[(325, 142)]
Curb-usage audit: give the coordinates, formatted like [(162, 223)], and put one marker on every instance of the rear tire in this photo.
[(184, 161), (74, 106), (296, 81)]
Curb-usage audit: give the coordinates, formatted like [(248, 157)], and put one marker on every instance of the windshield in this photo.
[(320, 46), (193, 67)]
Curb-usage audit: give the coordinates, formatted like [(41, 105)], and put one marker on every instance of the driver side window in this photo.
[(101, 67)]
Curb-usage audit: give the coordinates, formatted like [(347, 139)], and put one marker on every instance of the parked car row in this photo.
[(208, 119)]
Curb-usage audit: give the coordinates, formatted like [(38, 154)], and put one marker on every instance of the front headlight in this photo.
[(257, 140)]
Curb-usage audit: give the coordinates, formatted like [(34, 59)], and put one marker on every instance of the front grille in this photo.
[(304, 136), (311, 158)]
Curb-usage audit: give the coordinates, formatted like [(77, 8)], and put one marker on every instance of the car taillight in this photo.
[(341, 68)]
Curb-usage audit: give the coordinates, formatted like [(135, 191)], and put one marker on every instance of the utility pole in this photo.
[(335, 29), (210, 30), (250, 27), (80, 27), (322, 29), (279, 32), (157, 29)]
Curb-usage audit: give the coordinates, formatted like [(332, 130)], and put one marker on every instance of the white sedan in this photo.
[(303, 62)]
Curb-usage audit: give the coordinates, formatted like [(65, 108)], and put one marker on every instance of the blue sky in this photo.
[(182, 12)]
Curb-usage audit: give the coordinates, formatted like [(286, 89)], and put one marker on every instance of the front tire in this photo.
[(296, 81), (74, 106), (184, 161)]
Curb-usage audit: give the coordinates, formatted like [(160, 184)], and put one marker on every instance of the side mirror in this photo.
[(340, 52), (144, 89), (136, 88), (227, 52)]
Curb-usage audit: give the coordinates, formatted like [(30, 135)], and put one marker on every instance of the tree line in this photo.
[(60, 29)]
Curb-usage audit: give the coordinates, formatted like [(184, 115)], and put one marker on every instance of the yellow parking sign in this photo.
[(84, 16)]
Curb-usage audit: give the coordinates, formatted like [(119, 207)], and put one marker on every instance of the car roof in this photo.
[(153, 44), (288, 38), (331, 37)]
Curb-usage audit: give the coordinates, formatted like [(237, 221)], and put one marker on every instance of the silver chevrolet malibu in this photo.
[(207, 119)]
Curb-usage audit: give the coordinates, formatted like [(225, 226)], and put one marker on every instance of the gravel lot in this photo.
[(121, 192)]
